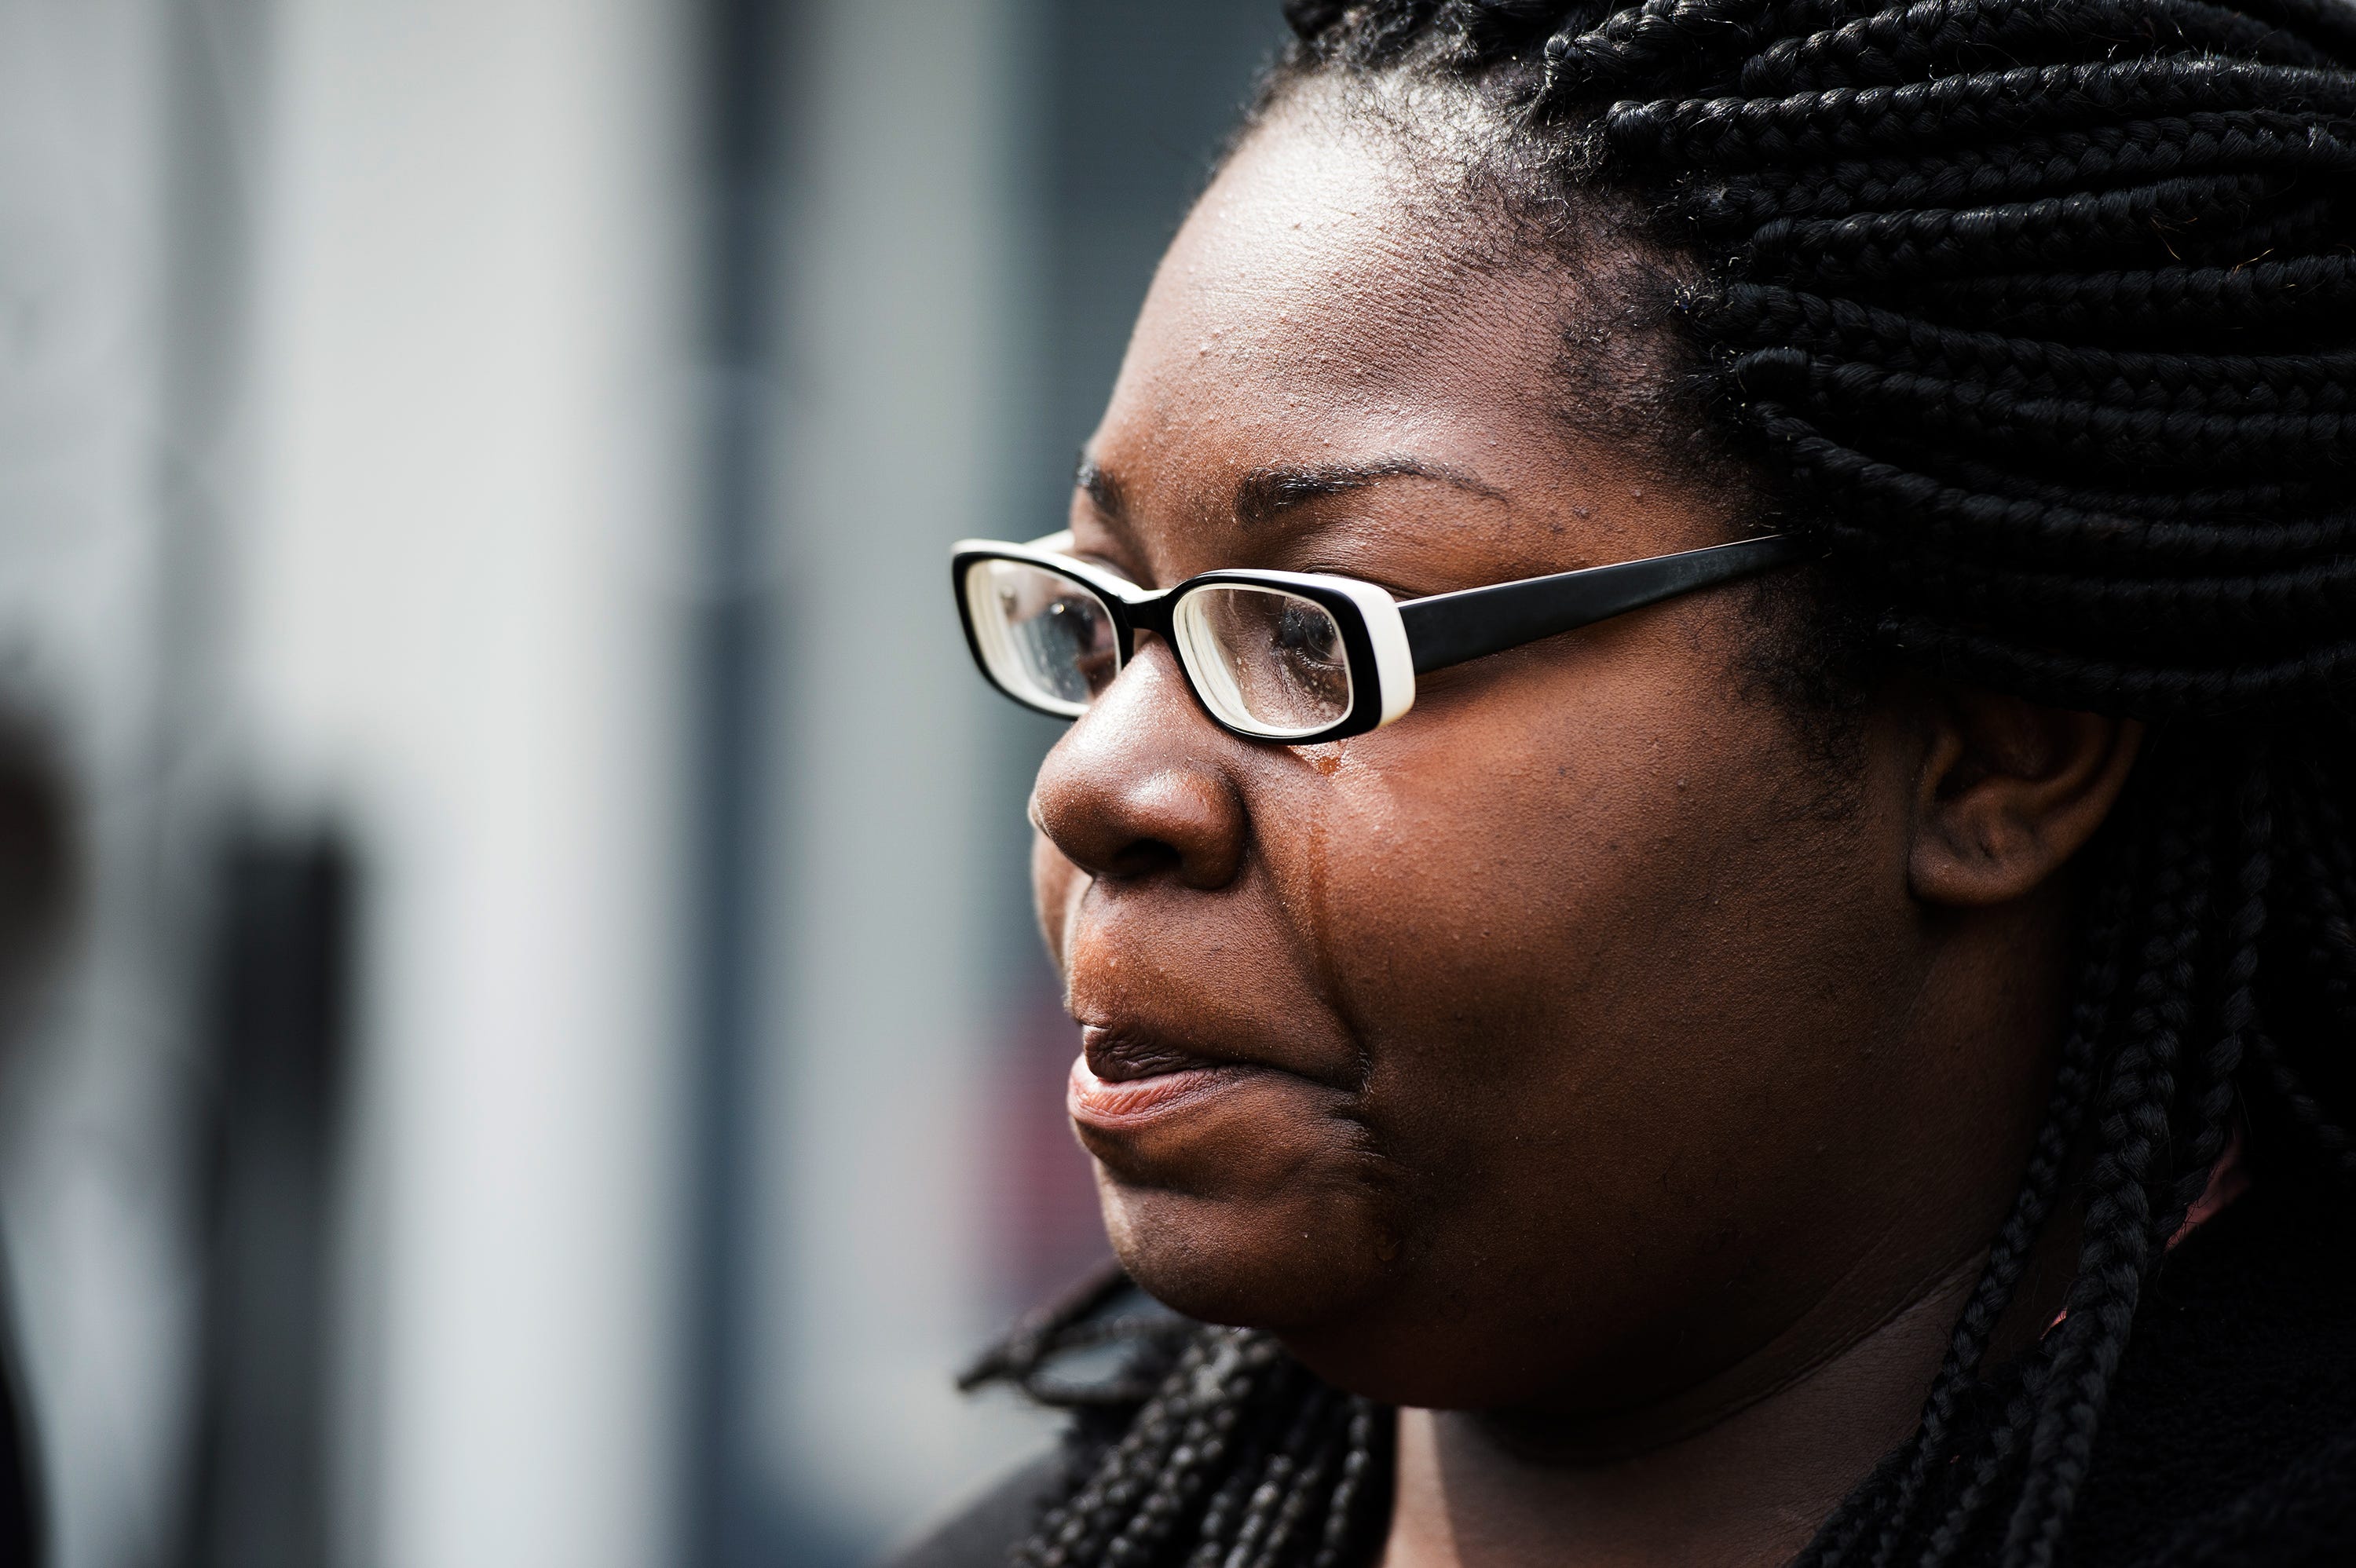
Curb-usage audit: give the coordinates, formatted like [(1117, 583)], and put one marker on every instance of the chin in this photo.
[(1296, 1262), (1320, 1269)]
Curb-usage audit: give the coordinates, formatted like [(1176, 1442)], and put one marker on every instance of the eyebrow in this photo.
[(1103, 490), (1267, 493)]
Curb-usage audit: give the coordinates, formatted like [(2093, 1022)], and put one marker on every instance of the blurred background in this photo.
[(542, 1056)]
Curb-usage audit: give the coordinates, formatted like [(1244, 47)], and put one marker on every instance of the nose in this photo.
[(1140, 788)]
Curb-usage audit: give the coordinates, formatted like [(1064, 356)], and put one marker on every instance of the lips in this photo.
[(1120, 1054), (1107, 1104), (1123, 1076)]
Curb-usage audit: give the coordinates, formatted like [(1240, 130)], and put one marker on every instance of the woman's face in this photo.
[(1550, 1045)]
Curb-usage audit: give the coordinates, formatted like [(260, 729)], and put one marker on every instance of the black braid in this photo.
[(2100, 962), (2039, 316), (2133, 1118)]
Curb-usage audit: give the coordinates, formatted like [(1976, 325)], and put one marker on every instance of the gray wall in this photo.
[(361, 419), (979, 195)]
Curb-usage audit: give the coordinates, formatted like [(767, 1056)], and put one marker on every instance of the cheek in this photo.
[(1481, 904), (1588, 975)]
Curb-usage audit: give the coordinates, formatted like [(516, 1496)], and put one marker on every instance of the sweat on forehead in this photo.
[(1367, 259), (1319, 253)]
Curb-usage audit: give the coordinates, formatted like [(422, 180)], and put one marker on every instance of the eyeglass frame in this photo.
[(1385, 642)]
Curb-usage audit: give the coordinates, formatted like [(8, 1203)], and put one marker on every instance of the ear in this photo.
[(2008, 792)]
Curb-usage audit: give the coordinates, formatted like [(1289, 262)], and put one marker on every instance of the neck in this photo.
[(1744, 1478)]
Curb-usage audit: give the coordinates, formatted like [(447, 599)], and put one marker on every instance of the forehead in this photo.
[(1328, 289)]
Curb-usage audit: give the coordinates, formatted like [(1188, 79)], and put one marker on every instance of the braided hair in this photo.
[(2039, 317)]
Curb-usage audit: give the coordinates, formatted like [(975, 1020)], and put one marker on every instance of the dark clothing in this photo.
[(20, 1510), (983, 1535), (20, 1521), (2231, 1437)]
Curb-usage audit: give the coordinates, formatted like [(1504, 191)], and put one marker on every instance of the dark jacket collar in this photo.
[(2230, 1436)]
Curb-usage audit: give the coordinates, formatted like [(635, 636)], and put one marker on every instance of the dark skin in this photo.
[(1597, 1079)]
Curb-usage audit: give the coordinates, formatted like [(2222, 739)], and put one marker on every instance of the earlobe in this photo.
[(2008, 792)]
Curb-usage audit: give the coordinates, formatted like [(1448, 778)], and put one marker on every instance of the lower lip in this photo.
[(1106, 1103)]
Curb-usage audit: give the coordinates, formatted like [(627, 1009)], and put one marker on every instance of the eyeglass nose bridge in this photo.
[(1155, 610)]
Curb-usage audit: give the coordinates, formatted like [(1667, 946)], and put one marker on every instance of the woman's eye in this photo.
[(1309, 634)]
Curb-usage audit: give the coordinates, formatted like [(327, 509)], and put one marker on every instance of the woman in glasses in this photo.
[(1704, 853)]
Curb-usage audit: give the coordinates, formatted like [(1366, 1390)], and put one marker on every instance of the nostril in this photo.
[(1144, 857)]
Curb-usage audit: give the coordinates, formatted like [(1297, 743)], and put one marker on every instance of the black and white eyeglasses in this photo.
[(1285, 656)]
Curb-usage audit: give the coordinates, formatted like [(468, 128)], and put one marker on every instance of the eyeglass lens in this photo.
[(1045, 638), (1266, 661)]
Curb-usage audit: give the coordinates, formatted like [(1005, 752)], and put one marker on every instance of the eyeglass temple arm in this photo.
[(1450, 628)]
